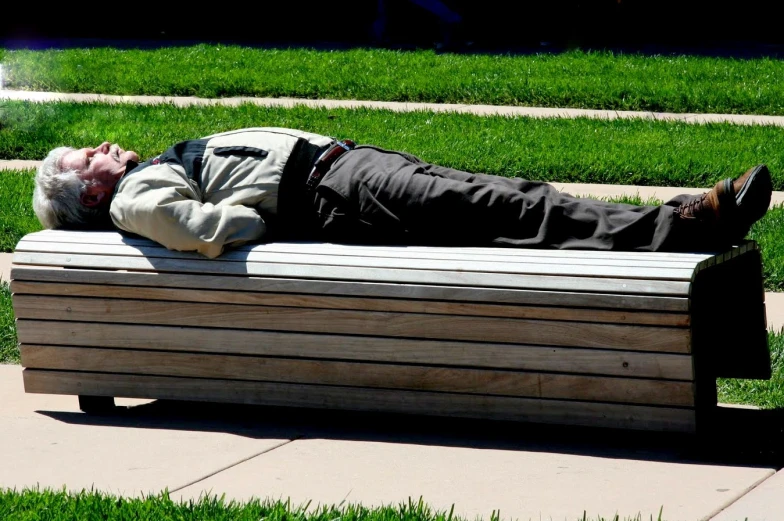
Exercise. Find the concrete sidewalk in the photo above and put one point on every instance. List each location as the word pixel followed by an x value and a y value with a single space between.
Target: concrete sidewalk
pixel 526 472
pixel 480 110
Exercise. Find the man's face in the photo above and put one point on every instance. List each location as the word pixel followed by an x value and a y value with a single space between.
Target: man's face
pixel 100 167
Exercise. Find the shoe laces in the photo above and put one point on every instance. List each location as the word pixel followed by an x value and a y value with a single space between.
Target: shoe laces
pixel 694 208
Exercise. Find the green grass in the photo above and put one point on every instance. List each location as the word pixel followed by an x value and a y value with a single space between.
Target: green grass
pixel 769 234
pixel 580 150
pixel 17 218
pixel 768 394
pixel 9 347
pixel 600 80
pixel 16 210
pixel 49 505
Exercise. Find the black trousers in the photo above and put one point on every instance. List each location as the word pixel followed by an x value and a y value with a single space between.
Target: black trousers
pixel 377 196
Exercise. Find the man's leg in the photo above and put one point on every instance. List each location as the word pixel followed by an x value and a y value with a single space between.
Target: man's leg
pixel 375 195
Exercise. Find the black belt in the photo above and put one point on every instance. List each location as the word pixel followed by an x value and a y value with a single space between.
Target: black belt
pixel 296 217
pixel 325 161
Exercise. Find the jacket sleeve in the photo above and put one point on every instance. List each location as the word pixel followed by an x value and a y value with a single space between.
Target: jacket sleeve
pixel 160 203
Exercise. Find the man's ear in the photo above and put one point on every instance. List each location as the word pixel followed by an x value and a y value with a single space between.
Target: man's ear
pixel 92 196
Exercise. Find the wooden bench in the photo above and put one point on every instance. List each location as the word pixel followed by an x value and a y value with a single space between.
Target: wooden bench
pixel 612 339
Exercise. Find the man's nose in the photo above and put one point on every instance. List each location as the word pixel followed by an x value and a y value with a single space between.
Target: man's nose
pixel 103 148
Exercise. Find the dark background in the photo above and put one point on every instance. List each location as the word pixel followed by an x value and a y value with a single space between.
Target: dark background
pixel 737 28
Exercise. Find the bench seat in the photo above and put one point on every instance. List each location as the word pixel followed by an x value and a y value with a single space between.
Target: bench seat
pixel 610 339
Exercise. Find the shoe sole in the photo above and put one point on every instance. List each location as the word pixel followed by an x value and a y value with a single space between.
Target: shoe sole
pixel 753 198
pixel 752 201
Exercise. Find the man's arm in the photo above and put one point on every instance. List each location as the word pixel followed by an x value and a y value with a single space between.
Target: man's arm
pixel 160 203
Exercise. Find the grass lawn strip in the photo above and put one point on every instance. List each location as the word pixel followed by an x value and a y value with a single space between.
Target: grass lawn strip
pixel 585 150
pixel 578 79
pixel 16 210
pixel 9 348
pixel 768 394
pixel 50 505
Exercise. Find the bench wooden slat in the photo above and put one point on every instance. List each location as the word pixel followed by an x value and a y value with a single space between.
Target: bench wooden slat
pixel 113 238
pixel 410 325
pixel 440 259
pixel 350 303
pixel 398 276
pixel 336 397
pixel 343 347
pixel 631 269
pixel 362 289
pixel 354 374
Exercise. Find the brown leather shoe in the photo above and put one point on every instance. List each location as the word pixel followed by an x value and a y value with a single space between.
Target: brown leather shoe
pixel 711 207
pixel 732 206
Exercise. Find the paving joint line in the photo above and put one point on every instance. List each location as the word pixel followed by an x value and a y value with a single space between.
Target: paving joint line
pixel 731 502
pixel 227 467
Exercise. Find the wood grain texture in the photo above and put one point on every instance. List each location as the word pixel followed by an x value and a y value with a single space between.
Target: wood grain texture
pixel 362 375
pixel 350 347
pixel 576 282
pixel 369 323
pixel 359 289
pixel 435 259
pixel 115 238
pixel 350 303
pixel 378 400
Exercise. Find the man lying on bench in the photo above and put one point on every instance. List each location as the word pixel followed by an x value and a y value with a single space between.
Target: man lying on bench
pixel 264 184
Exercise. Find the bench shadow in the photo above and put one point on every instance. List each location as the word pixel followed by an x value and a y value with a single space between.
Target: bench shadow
pixel 742 437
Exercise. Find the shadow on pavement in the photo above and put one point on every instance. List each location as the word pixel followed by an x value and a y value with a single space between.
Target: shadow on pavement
pixel 742 437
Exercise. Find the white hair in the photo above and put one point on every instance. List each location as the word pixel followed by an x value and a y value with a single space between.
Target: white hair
pixel 57 195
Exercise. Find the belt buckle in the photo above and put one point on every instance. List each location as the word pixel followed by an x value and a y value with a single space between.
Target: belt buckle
pixel 315 173
pixel 313 179
pixel 335 150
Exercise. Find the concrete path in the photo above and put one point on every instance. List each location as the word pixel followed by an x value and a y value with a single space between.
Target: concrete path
pixel 525 472
pixel 17 164
pixel 5 266
pixel 481 110
pixel 774 304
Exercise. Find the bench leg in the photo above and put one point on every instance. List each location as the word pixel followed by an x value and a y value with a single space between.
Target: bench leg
pixel 96 404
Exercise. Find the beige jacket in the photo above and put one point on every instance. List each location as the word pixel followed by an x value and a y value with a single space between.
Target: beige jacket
pixel 203 195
